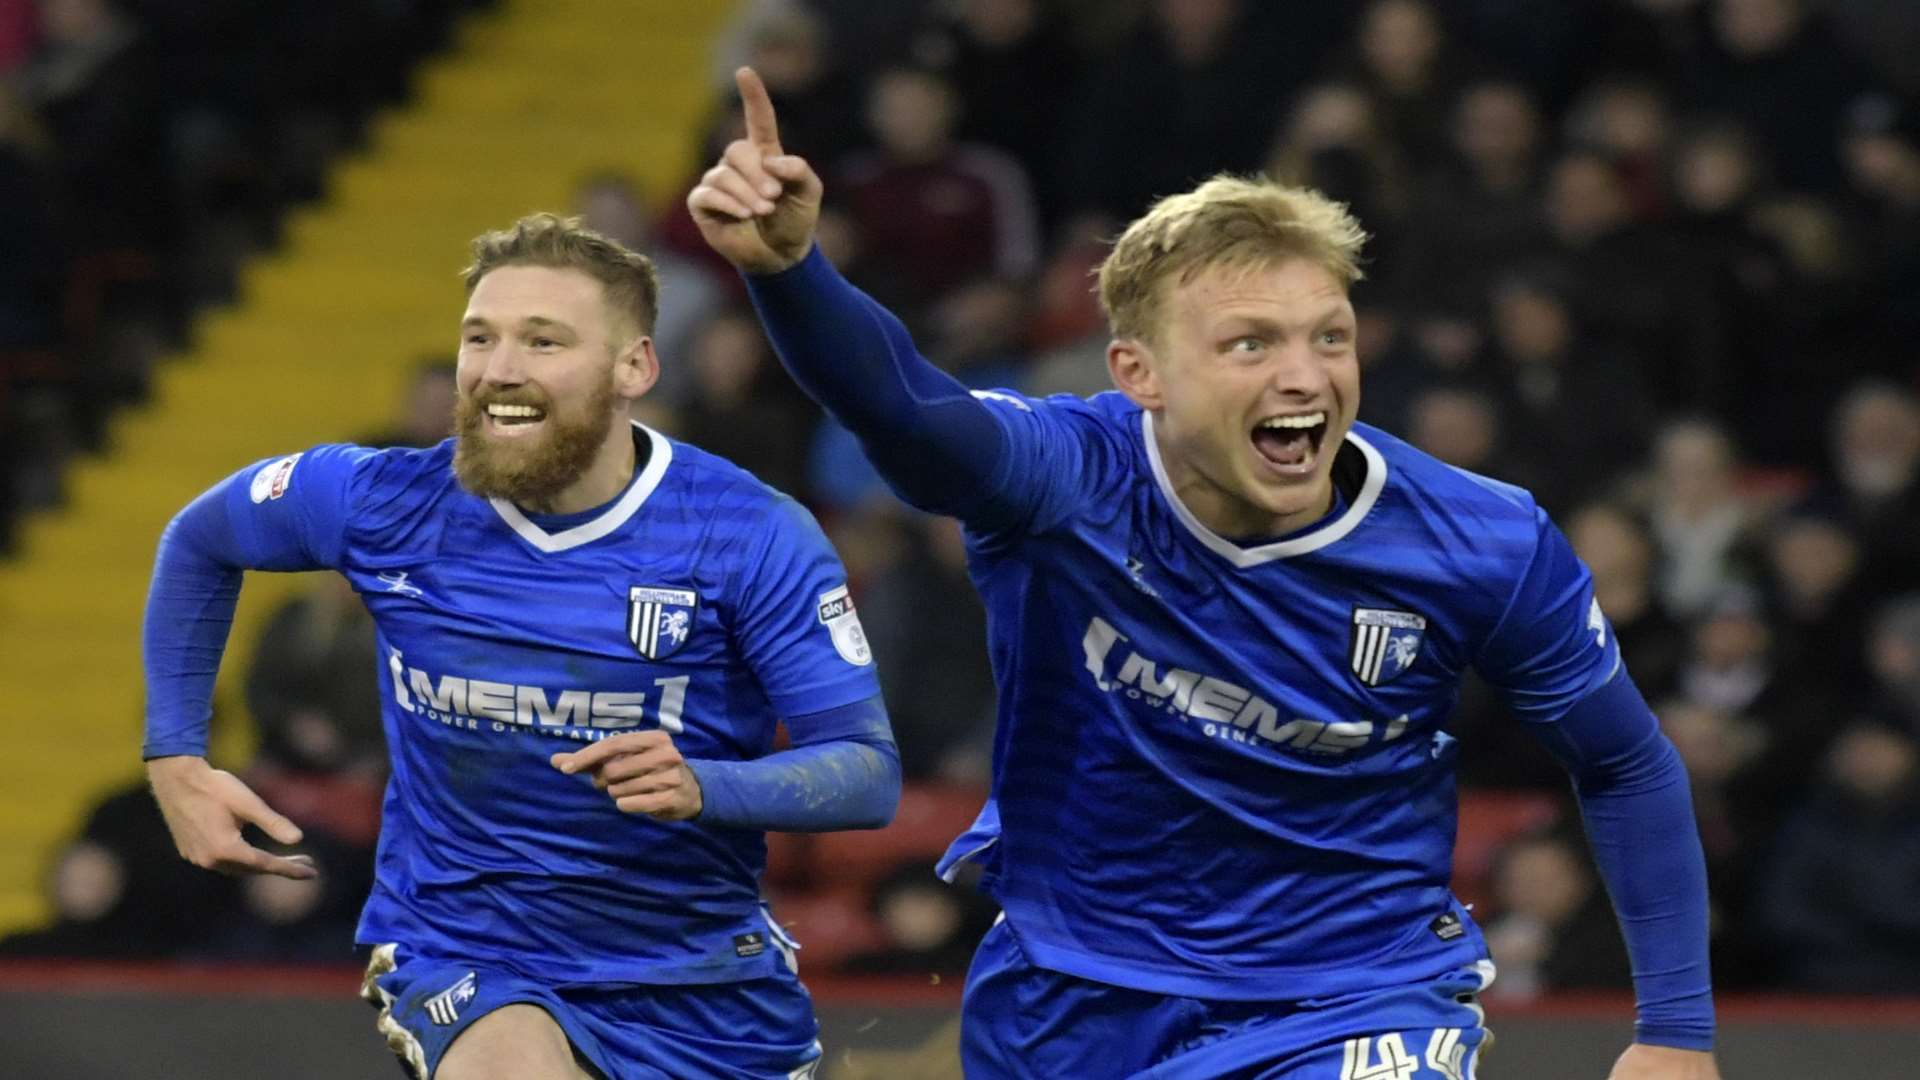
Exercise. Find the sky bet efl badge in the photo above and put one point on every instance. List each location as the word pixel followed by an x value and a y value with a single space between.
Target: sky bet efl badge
pixel 1384 643
pixel 660 620
pixel 837 615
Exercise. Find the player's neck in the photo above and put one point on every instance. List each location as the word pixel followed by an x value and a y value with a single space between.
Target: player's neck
pixel 603 480
pixel 1234 518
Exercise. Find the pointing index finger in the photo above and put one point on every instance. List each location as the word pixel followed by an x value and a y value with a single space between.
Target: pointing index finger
pixel 593 755
pixel 762 129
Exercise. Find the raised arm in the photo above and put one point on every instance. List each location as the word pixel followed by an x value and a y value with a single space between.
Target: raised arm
pixel 938 446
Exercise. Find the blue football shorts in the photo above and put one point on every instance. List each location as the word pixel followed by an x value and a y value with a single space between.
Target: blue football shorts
pixel 1022 1022
pixel 760 1028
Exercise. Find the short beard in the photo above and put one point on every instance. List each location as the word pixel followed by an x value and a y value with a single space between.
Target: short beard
pixel 531 476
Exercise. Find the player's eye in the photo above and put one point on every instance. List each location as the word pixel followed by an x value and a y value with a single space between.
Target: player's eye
pixel 476 339
pixel 544 343
pixel 1247 345
pixel 1338 336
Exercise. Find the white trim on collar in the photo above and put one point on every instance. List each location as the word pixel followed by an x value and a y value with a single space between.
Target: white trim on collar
pixel 1285 549
pixel 616 515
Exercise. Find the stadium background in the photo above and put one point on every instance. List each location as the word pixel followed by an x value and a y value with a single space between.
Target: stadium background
pixel 1658 260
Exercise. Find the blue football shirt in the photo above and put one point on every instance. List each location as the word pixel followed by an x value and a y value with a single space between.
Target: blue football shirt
pixel 700 602
pixel 1222 771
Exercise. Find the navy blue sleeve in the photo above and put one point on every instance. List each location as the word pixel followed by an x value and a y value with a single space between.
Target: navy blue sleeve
pixel 843 772
pixel 1639 818
pixel 285 513
pixel 935 443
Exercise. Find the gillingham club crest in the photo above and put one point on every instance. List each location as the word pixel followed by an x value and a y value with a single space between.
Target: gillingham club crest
pixel 1384 643
pixel 659 620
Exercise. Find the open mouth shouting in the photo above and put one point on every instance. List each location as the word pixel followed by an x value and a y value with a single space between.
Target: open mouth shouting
pixel 1290 444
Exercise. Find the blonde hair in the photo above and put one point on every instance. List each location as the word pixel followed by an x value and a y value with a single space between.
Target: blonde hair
pixel 1230 221
pixel 563 243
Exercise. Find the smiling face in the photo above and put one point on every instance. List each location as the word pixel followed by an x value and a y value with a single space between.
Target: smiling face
pixel 1253 382
pixel 546 367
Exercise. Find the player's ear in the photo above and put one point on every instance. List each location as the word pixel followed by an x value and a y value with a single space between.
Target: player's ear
pixel 636 368
pixel 1130 363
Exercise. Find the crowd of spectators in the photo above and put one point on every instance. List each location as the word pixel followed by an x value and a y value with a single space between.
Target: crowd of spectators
pixel 147 147
pixel 1656 260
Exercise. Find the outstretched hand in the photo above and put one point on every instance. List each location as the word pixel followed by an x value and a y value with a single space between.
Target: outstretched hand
pixel 205 808
pixel 758 205
pixel 643 772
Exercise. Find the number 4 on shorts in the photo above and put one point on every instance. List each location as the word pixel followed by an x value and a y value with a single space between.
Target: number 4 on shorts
pixel 1445 1056
pixel 1357 1063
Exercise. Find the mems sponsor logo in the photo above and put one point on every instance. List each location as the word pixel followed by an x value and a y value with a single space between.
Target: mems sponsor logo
pixel 1224 710
pixel 484 704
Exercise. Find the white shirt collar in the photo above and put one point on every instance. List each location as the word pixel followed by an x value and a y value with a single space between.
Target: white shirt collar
pixel 1314 540
pixel 612 518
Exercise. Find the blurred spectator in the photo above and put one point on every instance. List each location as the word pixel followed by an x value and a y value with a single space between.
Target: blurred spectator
pixel 1631 120
pixel 1732 667
pixel 1719 182
pixel 922 614
pixel 1464 428
pixel 1699 521
pixel 976 333
pixel 426 416
pixel 1405 63
pixel 1577 408
pixel 1775 66
pixel 1006 59
pixel 1558 49
pixel 309 689
pixel 1893 656
pixel 119 891
pixel 1195 89
pixel 1333 142
pixel 1068 330
pixel 1479 210
pixel 1554 930
pixel 1730 663
pixel 1881 148
pixel 933 213
pixel 286 921
pixel 1816 599
pixel 1618 548
pixel 1876 481
pixel 690 290
pixel 91 81
pixel 787 43
pixel 742 406
pixel 314 694
pixel 931 927
pixel 1639 290
pixel 1837 897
